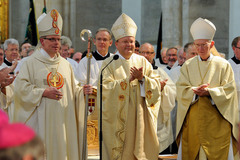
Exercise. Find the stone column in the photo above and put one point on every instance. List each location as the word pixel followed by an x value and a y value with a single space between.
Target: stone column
pixel 172 22
pixel 151 12
pixel 18 19
pixel 94 14
pixel 186 36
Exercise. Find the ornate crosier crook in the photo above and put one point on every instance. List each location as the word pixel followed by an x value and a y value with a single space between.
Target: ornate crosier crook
pixel 89 56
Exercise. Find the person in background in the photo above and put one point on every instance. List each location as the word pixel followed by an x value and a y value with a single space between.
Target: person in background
pixel 11 50
pixel 168 89
pixel 77 56
pixel 190 51
pixel 24 48
pixel 18 141
pixel 102 40
pixel 171 57
pixel 71 52
pixel 29 53
pixel 66 43
pixel 162 61
pixel 207 113
pixel 137 45
pixel 235 63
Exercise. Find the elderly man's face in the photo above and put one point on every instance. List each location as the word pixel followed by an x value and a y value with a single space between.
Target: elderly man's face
pixel 64 51
pixel 12 52
pixel 147 51
pixel 171 57
pixel 203 47
pixel 24 49
pixel 181 56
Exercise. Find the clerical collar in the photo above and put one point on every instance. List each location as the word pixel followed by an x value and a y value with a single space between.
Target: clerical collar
pixel 99 57
pixel 209 58
pixel 44 53
pixel 235 60
pixel 7 62
pixel 153 65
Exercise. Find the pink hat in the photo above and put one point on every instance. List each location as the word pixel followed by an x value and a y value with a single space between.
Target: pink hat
pixel 15 134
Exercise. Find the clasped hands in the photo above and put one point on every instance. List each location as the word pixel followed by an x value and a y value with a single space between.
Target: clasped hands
pixel 202 90
pixel 136 73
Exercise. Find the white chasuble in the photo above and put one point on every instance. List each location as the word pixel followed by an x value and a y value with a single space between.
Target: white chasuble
pixel 210 117
pixel 55 121
pixel 129 120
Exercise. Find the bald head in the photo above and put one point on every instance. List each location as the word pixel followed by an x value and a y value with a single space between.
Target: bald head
pixel 147 50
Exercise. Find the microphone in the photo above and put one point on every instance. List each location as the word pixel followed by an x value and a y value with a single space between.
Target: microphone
pixel 115 57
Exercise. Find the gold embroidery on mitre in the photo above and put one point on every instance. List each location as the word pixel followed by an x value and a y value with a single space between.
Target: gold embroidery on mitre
pixel 121 97
pixel 55 80
pixel 149 94
pixel 54 15
pixel 123 85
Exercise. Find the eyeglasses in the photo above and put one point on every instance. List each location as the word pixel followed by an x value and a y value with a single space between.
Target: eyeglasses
pixel 146 52
pixel 237 47
pixel 201 45
pixel 53 39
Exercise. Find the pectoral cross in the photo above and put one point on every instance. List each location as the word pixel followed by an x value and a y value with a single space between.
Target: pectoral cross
pixel 54 80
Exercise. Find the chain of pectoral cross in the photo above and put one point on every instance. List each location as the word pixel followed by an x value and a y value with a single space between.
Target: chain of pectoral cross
pixel 54 80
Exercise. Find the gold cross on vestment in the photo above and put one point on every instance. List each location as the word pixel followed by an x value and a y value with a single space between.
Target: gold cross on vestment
pixel 54 80
pixel 91 102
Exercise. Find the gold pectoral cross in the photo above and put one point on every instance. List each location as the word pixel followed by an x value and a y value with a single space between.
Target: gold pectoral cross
pixel 54 80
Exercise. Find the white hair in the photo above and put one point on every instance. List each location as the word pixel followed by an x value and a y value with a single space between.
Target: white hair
pixel 10 41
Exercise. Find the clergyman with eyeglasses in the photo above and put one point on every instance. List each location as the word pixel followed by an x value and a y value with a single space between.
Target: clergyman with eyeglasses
pixel 46 97
pixel 168 88
pixel 207 114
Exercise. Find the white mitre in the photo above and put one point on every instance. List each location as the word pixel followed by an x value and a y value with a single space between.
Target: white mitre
pixel 124 26
pixel 50 24
pixel 202 29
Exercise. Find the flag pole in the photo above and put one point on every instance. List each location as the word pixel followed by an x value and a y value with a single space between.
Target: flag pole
pixel 44 7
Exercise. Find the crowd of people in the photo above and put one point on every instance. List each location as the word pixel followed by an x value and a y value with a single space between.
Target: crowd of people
pixel 184 103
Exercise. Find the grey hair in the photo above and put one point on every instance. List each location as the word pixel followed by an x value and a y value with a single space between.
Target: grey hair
pixel 10 41
pixel 179 50
pixel 66 41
